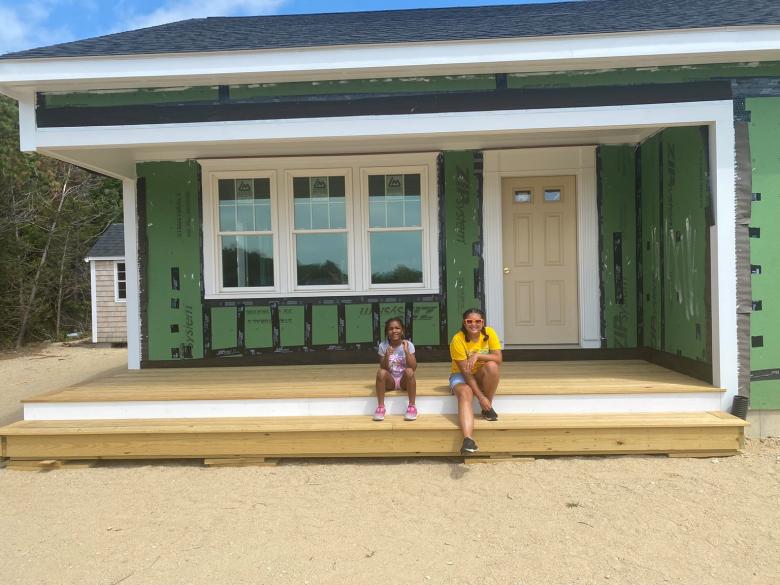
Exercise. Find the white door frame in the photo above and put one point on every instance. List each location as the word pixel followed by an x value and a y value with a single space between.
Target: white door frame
pixel 579 161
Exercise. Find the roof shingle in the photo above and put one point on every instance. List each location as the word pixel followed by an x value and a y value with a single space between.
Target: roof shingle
pixel 419 25
pixel 111 244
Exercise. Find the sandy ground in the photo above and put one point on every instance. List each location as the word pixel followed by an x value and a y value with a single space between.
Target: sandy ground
pixel 559 521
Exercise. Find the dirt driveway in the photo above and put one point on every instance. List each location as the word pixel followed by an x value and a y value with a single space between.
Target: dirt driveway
pixel 558 521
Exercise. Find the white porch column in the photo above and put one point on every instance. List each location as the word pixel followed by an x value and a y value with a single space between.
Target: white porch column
pixel 131 267
pixel 724 254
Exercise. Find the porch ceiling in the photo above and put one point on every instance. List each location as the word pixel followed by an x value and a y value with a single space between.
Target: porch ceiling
pixel 120 161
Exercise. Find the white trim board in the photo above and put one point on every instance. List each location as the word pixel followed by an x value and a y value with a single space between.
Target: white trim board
pixel 93 298
pixel 577 161
pixel 396 405
pixel 456 124
pixel 529 54
pixel 133 300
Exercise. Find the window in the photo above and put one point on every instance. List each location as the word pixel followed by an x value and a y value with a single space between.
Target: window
pixel 320 231
pixel 245 232
pixel 320 226
pixel 395 228
pixel 120 282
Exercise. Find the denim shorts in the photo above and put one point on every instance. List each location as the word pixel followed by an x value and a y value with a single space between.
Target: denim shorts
pixel 456 379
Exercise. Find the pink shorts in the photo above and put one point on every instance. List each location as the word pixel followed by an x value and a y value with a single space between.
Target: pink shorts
pixel 397 381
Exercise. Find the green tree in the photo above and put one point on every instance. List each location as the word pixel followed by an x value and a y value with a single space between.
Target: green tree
pixel 51 213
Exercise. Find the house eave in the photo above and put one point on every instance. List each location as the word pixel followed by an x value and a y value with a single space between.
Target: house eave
pixel 531 54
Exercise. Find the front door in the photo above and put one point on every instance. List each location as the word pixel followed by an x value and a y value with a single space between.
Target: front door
pixel 539 227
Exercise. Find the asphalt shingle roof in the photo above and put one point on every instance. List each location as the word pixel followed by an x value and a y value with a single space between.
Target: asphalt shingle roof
pixel 418 25
pixel 111 244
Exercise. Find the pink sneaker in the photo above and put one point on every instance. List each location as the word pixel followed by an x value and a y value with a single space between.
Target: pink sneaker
pixel 379 413
pixel 411 412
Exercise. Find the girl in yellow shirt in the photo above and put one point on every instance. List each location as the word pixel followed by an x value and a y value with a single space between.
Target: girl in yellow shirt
pixel 476 356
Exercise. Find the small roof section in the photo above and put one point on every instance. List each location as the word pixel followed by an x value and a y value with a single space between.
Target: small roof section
pixel 419 25
pixel 111 244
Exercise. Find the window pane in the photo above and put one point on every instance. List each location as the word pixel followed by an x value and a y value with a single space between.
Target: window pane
pixel 247 261
pixel 301 187
pixel 227 216
pixel 322 259
pixel 263 216
pixel 120 270
pixel 303 214
pixel 245 189
pixel 262 188
pixel 552 194
pixel 121 292
pixel 227 190
pixel 377 212
pixel 245 217
pixel 320 215
pixel 394 201
pixel 396 257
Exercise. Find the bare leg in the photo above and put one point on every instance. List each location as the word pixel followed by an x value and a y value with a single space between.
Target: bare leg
pixel 384 382
pixel 465 409
pixel 487 378
pixel 409 383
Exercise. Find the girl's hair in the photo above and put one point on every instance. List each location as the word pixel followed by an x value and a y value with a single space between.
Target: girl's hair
pixel 400 322
pixel 479 312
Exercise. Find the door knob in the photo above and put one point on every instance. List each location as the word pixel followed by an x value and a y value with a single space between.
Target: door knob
pixel 506 270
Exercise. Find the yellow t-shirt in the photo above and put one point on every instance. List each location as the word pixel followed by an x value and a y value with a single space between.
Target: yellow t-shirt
pixel 461 348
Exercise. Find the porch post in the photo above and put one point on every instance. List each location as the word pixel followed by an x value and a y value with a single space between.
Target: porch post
pixel 724 254
pixel 131 267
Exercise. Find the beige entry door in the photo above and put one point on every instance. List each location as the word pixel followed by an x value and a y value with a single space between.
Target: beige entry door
pixel 539 230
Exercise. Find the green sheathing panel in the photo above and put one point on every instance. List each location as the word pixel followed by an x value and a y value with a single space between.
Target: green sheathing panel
pixel 765 156
pixel 642 75
pixel 132 97
pixel 292 326
pixel 359 323
pixel 650 188
pixel 258 329
pixel 462 219
pixel 686 199
pixel 172 271
pixel 765 395
pixel 617 214
pixel 425 320
pixel 224 328
pixel 324 325
pixel 387 311
pixel 364 86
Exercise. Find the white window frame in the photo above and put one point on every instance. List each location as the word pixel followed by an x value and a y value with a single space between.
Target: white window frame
pixel 356 170
pixel 116 281
pixel 292 273
pixel 428 263
pixel 216 250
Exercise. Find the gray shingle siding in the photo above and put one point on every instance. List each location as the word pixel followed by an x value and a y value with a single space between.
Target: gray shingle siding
pixel 419 25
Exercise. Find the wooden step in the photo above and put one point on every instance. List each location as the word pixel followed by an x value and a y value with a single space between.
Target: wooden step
pixel 359 436
pixel 630 377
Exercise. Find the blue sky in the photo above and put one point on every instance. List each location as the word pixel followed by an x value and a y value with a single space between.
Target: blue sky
pixel 35 23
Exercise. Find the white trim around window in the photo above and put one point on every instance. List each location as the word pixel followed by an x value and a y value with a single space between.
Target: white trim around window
pixel 356 170
pixel 117 281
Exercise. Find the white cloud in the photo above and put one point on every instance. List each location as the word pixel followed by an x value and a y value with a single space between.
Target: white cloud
pixel 27 26
pixel 174 10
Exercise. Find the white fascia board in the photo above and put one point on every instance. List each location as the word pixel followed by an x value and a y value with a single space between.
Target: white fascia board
pixel 727 44
pixel 100 258
pixel 457 123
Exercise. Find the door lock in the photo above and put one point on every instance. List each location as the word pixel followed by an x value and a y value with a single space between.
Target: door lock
pixel 506 270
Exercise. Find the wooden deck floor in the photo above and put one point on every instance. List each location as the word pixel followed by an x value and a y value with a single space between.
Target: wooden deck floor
pixel 330 381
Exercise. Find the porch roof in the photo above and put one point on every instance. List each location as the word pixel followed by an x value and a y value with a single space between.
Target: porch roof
pixel 420 25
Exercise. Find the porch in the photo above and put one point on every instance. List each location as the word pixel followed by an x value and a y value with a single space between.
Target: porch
pixel 545 408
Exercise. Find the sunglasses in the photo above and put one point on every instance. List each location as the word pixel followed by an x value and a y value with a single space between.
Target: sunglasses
pixel 473 321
